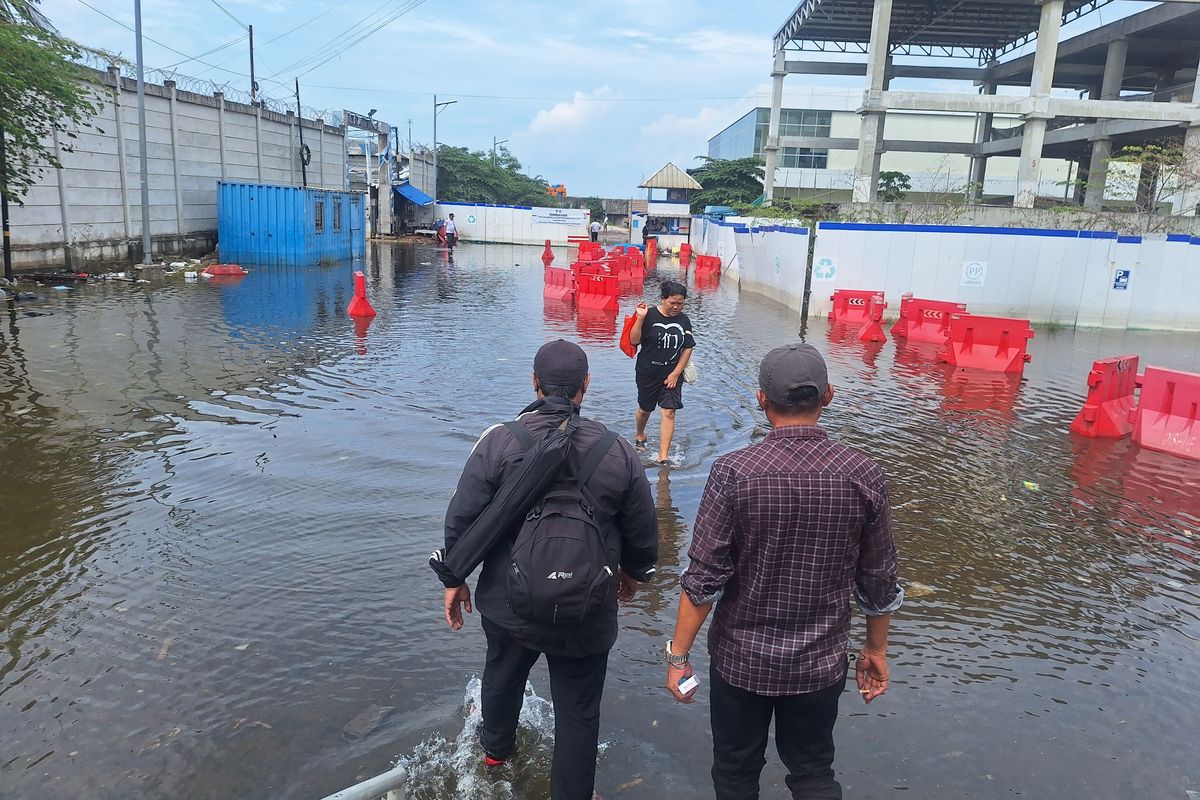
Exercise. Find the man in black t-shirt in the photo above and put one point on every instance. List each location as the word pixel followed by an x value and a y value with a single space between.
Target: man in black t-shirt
pixel 664 334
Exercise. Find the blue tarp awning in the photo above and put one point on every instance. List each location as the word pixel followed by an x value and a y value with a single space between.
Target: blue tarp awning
pixel 413 194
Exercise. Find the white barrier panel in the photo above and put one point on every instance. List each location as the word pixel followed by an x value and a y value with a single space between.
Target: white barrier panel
pixel 1084 278
pixel 515 224
pixel 767 259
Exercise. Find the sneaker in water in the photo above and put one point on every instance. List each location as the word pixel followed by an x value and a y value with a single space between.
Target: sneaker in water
pixel 491 762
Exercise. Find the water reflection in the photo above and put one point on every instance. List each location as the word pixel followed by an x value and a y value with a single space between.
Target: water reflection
pixel 218 500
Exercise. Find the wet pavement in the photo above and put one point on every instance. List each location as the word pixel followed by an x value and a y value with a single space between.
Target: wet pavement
pixel 217 501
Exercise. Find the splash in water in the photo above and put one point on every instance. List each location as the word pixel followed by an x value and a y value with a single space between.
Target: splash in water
pixel 439 768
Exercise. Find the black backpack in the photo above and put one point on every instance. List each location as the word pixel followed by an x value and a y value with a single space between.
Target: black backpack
pixel 560 571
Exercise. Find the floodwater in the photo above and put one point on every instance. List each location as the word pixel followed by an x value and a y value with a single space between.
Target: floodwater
pixel 217 501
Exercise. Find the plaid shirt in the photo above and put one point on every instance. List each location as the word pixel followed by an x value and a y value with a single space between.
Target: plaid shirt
pixel 785 528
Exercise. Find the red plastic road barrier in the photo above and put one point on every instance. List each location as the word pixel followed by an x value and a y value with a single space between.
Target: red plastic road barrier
pixel 872 329
pixel 1107 413
pixel 560 283
pixel 596 288
pixel 1167 417
pixel 590 251
pixel 360 306
pixel 547 255
pixel 685 254
pixel 223 269
pixel 996 344
pixel 651 253
pixel 708 264
pixel 925 320
pixel 849 305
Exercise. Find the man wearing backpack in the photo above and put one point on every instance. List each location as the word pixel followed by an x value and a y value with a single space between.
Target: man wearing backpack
pixel 547 588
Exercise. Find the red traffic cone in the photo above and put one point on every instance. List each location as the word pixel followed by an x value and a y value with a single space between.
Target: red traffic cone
pixel 359 306
pixel 547 255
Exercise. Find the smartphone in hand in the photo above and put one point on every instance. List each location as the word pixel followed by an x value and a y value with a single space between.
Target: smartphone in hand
pixel 688 684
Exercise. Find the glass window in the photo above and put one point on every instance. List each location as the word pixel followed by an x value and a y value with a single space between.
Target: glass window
pixel 804 158
pixel 319 216
pixel 337 214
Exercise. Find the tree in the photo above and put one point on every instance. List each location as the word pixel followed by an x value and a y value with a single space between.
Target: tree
pixel 727 182
pixel 893 187
pixel 43 89
pixel 1152 176
pixel 469 176
pixel 597 208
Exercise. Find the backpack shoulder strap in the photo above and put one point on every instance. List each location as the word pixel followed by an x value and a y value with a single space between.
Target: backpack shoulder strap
pixel 595 457
pixel 520 432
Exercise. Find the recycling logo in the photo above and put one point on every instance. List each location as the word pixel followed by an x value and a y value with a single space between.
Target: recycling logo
pixel 778 266
pixel 471 219
pixel 824 269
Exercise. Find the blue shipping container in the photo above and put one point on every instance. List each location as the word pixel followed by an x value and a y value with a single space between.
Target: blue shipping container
pixel 288 225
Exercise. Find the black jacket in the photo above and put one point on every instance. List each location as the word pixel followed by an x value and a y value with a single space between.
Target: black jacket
pixel 624 509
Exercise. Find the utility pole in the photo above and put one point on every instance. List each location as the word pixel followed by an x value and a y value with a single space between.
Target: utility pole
pixel 300 122
pixel 495 144
pixel 8 271
pixel 437 109
pixel 253 83
pixel 141 95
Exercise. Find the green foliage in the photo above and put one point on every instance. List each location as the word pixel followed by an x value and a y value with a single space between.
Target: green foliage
pixel 42 89
pixel 727 182
pixel 597 208
pixel 468 176
pixel 792 208
pixel 893 186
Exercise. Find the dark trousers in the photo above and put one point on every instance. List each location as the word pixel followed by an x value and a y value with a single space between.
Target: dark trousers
pixel 804 723
pixel 576 685
pixel 595 236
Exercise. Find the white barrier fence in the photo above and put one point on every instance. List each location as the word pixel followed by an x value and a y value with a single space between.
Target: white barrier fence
pixel 768 259
pixel 1080 278
pixel 515 224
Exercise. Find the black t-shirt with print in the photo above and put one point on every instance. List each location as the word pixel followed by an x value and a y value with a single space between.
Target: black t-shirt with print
pixel 663 340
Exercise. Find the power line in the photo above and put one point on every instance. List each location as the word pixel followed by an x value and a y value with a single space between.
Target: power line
pixel 289 31
pixel 351 37
pixel 231 16
pixel 238 40
pixel 675 98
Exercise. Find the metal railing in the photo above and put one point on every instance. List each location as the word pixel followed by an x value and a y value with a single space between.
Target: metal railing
pixel 388 786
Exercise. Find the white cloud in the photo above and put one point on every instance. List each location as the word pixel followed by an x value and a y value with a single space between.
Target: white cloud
pixel 571 116
pixel 699 127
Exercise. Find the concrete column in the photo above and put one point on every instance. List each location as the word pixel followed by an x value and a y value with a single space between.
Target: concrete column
pixel 1187 202
pixel 983 128
pixel 221 132
pixel 1114 69
pixel 771 148
pixel 64 207
pixel 1097 174
pixel 175 158
pixel 258 140
pixel 320 153
pixel 866 171
pixel 115 74
pixel 293 152
pixel 1029 171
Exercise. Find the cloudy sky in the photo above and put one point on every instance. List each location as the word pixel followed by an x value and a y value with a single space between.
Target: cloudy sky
pixel 595 95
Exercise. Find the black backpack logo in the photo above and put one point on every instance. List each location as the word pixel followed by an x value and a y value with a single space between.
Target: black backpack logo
pixel 560 571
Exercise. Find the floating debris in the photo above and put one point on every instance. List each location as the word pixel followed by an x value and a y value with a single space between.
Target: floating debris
pixel 913 589
pixel 241 647
pixel 1031 486
pixel 368 720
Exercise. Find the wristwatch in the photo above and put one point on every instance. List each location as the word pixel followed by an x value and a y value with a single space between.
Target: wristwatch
pixel 672 659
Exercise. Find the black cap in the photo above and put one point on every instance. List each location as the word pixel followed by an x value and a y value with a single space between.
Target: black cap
pixel 791 367
pixel 560 363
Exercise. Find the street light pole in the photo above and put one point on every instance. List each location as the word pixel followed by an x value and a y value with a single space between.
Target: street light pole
pixel 141 95
pixel 496 144
pixel 437 109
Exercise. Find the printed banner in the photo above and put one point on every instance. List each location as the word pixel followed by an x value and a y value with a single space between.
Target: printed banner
pixel 560 216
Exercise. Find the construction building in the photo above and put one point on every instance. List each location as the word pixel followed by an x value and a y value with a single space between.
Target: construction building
pixel 1130 82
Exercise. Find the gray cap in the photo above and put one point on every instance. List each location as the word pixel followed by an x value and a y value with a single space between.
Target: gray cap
pixel 560 363
pixel 791 367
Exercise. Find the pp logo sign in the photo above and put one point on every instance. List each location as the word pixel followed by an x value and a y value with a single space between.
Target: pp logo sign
pixel 974 273
pixel 825 269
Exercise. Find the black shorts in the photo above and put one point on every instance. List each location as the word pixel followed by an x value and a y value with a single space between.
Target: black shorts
pixel 652 392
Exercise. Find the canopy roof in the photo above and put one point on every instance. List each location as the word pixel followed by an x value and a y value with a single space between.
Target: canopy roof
pixel 671 177
pixel 984 29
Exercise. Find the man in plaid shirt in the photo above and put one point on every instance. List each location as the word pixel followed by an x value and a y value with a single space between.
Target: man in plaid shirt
pixel 787 529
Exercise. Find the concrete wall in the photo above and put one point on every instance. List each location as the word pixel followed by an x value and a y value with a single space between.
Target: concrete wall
pixel 89 212
pixel 515 224
pixel 1068 277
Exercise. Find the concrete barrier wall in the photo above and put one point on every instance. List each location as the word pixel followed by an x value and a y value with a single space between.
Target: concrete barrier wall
pixel 765 258
pixel 90 210
pixel 1083 278
pixel 479 222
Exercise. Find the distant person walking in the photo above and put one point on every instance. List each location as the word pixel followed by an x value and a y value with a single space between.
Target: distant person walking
pixel 594 229
pixel 785 528
pixel 663 335
pixel 451 232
